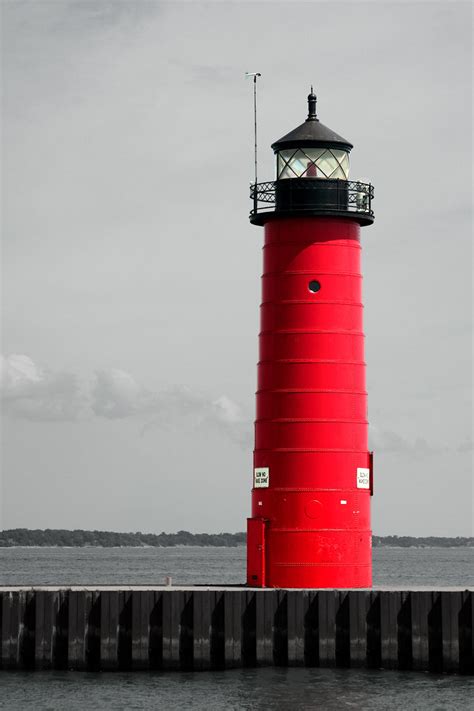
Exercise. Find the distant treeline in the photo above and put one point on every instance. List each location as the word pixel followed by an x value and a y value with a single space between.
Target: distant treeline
pixel 109 539
pixel 421 542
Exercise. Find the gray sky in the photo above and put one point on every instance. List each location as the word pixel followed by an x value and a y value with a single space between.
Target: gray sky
pixel 131 272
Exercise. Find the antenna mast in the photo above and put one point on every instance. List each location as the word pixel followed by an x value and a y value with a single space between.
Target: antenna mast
pixel 254 75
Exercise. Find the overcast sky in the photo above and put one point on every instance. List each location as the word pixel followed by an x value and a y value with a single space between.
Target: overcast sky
pixel 131 273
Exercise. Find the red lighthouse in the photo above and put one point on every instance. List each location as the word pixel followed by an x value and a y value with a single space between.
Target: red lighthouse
pixel 312 482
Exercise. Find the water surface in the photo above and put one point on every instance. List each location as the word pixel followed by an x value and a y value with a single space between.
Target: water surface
pixel 239 690
pixel 195 565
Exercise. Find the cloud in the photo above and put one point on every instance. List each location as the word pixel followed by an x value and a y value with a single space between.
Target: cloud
pixel 387 440
pixel 33 393
pixel 229 417
pixel 227 410
pixel 390 441
pixel 16 370
pixel 185 407
pixel 115 394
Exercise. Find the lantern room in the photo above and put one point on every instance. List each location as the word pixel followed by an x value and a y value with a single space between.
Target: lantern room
pixel 312 150
pixel 312 176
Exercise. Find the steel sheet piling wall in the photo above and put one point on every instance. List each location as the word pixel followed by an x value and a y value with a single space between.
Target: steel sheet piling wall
pixel 223 628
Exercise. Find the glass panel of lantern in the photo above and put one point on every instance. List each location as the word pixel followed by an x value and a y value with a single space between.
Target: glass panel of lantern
pixel 330 166
pixel 313 163
pixel 343 160
pixel 283 170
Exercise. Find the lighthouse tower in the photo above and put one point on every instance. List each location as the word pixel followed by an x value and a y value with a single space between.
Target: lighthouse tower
pixel 312 479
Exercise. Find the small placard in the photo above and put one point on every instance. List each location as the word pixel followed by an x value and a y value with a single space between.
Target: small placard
pixel 261 478
pixel 363 478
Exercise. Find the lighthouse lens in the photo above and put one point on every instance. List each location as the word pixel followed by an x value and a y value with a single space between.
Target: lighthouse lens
pixel 314 286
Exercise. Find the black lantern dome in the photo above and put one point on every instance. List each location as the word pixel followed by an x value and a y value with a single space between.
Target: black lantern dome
pixel 312 133
pixel 312 176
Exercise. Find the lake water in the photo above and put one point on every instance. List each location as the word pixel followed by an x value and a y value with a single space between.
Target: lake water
pixel 194 565
pixel 244 689
pixel 271 689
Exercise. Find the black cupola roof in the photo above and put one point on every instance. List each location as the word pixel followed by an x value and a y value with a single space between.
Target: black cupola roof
pixel 312 133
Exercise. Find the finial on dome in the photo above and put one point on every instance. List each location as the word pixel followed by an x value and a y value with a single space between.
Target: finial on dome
pixel 312 106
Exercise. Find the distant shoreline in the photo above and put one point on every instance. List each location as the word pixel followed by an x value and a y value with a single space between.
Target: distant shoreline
pixel 62 538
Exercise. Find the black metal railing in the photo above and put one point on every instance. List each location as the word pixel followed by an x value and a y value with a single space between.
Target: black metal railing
pixel 325 196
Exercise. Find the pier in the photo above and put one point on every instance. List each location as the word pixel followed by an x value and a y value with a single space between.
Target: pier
pixel 103 628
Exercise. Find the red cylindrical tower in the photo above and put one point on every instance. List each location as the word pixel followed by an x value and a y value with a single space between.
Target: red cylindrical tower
pixel 310 524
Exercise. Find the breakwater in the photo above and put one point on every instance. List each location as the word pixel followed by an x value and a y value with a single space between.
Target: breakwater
pixel 198 628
